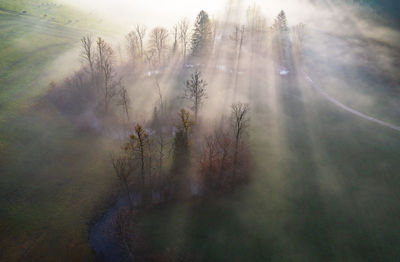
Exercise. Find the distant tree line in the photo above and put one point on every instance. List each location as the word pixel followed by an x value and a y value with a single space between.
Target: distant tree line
pixel 99 85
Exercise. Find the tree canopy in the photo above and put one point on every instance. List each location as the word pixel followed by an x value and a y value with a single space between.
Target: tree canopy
pixel 201 38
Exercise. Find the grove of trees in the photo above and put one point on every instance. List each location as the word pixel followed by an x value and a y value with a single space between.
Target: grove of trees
pixel 174 154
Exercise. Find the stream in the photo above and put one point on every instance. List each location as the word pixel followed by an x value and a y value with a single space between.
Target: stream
pixel 101 236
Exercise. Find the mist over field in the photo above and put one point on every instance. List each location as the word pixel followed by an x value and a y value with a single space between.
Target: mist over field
pixel 228 130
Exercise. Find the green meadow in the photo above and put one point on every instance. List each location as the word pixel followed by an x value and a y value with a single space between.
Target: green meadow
pixel 325 188
pixel 325 183
pixel 44 209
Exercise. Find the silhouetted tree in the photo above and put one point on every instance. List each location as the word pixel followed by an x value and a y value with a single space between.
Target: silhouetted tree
pixel 141 33
pixel 281 23
pixel 209 161
pixel 138 149
pixel 196 92
pixel 224 143
pixel 181 150
pixel 122 169
pixel 125 101
pixel 160 98
pixel 158 41
pixel 175 35
pixel 133 45
pixel 202 35
pixel 184 35
pixel 240 122
pixel 105 67
pixel 216 164
pixel 88 53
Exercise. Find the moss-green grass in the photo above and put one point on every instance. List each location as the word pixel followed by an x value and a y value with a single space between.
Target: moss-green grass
pixel 50 11
pixel 27 47
pixel 53 177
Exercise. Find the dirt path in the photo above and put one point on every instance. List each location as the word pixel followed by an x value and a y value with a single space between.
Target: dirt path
pixel 349 109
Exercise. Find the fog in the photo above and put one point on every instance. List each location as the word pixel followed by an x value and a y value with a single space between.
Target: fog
pixel 159 12
pixel 151 13
pixel 323 133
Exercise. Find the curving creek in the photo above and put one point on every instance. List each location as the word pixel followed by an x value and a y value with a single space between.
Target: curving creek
pixel 101 236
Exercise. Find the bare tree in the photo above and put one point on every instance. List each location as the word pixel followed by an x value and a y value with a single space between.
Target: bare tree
pixel 123 171
pixel 141 33
pixel 158 41
pixel 158 119
pixel 105 66
pixel 138 149
pixel 142 137
pixel 224 143
pixel 149 56
pixel 196 92
pixel 162 144
pixel 133 45
pixel 216 161
pixel 160 97
pixel 209 161
pixel 88 53
pixel 125 101
pixel 184 36
pixel 181 151
pixel 240 122
pixel 174 32
pixel 185 121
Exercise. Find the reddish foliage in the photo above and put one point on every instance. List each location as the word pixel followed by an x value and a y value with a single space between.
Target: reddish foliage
pixel 216 164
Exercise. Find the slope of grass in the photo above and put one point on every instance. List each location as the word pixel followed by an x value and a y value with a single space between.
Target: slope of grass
pixel 27 46
pixel 52 176
pixel 50 11
pixel 52 179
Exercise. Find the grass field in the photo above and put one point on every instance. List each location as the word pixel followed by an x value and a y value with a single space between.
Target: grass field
pixel 326 184
pixel 28 46
pixel 326 188
pixel 53 177
pixel 50 11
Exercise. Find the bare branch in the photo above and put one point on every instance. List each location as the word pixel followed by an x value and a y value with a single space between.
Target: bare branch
pixel 195 91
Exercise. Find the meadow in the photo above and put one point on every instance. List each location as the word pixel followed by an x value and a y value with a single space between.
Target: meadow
pixel 325 188
pixel 325 185
pixel 44 209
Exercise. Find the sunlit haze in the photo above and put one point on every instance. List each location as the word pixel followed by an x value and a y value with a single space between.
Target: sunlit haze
pixel 199 130
pixel 155 12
